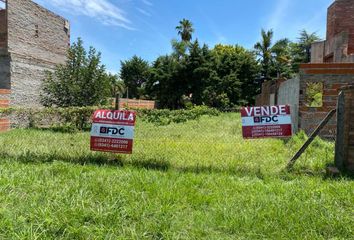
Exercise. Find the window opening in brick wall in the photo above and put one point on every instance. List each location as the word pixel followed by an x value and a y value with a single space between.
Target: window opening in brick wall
pixel 36 31
pixel 314 94
pixel 66 26
pixel 2 5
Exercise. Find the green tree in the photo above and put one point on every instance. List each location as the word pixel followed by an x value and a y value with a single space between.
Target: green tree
pixel 81 81
pixel 185 30
pixel 179 48
pixel 282 58
pixel 264 51
pixel 236 70
pixel 134 73
pixel 166 82
pixel 306 40
pixel 117 85
pixel 300 51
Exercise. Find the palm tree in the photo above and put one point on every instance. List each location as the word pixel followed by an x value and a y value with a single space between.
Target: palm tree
pixel 305 42
pixel 118 86
pixel 281 56
pixel 185 30
pixel 264 50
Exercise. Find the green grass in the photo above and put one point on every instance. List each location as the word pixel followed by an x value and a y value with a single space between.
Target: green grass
pixel 197 180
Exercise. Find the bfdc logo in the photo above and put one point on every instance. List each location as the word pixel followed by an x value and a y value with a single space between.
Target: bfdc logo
pixel 273 119
pixel 112 131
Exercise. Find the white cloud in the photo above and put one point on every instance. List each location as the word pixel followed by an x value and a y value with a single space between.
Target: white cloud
pixel 144 12
pixel 147 2
pixel 102 10
pixel 279 14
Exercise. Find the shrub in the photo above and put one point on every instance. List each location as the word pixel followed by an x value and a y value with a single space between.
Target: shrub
pixel 165 117
pixel 82 81
pixel 79 118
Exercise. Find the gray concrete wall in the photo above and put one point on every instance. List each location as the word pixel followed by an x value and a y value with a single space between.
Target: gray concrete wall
pixel 317 52
pixel 288 94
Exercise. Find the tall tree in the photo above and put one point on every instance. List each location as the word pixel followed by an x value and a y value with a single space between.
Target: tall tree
pixel 306 40
pixel 185 30
pixel 282 58
pixel 134 72
pixel 165 83
pixel 264 50
pixel 117 85
pixel 237 70
pixel 81 81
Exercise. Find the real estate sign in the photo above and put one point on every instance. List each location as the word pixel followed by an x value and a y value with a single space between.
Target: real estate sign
pixel 266 121
pixel 113 131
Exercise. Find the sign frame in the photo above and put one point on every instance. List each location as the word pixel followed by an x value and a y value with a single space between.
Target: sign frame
pixel 113 131
pixel 266 122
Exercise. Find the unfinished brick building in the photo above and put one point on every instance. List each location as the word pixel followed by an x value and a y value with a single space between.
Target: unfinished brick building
pixel 32 40
pixel 332 66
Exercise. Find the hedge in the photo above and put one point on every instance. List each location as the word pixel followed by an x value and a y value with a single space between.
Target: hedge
pixel 79 118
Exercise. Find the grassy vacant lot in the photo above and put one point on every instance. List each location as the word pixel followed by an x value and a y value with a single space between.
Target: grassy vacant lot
pixel 197 180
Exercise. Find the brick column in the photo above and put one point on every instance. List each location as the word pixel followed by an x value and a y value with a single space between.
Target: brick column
pixel 4 103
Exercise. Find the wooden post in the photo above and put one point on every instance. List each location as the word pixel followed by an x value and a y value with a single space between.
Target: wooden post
pixel 311 138
pixel 339 149
pixel 117 102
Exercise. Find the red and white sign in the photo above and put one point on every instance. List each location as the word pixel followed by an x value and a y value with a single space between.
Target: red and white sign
pixel 113 131
pixel 266 121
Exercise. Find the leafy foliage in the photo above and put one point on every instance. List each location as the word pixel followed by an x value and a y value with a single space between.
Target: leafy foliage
pixel 79 118
pixel 301 50
pixel 314 94
pixel 166 117
pixel 134 72
pixel 82 81
pixel 264 51
pixel 222 77
pixel 185 30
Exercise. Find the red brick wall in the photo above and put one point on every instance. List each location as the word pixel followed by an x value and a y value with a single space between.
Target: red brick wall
pixel 333 76
pixel 340 18
pixel 4 103
pixel 125 103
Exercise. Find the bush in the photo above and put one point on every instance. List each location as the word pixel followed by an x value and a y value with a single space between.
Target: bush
pixel 165 116
pixel 79 118
pixel 81 81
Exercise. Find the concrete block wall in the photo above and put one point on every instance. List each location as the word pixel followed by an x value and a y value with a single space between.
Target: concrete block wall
pixel 333 76
pixel 317 52
pixel 288 94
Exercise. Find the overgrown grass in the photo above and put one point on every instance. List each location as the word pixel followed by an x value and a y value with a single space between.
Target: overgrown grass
pixel 194 180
